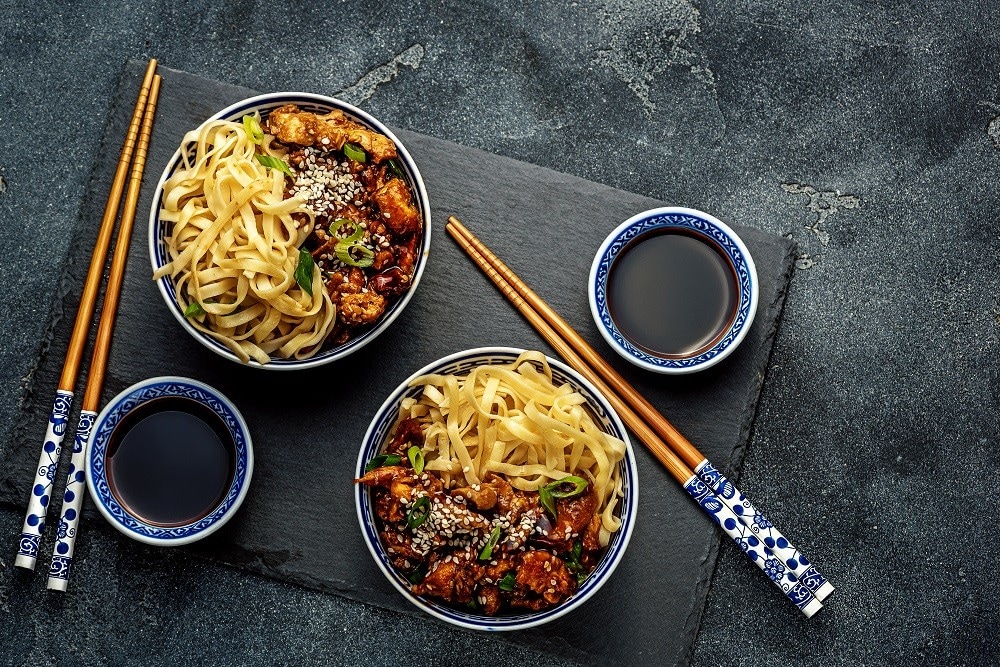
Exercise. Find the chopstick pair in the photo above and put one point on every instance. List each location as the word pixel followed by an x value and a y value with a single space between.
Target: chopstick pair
pixel 725 504
pixel 42 487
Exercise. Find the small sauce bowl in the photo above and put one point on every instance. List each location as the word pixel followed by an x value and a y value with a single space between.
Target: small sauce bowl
pixel 673 290
pixel 169 461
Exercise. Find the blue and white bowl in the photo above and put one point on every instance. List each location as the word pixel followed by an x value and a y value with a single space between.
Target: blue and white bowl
pixel 319 104
pixel 379 433
pixel 692 222
pixel 96 459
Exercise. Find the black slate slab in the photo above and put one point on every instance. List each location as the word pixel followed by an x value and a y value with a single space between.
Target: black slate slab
pixel 298 523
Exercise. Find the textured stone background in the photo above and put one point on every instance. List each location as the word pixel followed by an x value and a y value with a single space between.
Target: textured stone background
pixel 868 132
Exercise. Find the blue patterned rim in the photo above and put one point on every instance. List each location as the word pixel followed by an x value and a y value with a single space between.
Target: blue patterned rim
pixel 692 221
pixel 139 394
pixel 379 431
pixel 317 104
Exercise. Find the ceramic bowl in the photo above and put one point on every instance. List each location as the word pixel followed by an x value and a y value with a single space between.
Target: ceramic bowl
pixel 115 511
pixel 704 227
pixel 319 104
pixel 379 433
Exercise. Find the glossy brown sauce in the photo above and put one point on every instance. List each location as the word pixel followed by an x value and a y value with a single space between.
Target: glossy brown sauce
pixel 170 461
pixel 672 293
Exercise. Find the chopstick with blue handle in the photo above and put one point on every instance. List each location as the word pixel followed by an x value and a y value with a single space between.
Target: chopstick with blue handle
pixel 713 492
pixel 62 553
pixel 48 461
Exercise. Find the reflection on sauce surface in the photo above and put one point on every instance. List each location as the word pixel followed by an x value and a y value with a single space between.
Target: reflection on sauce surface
pixel 170 461
pixel 672 293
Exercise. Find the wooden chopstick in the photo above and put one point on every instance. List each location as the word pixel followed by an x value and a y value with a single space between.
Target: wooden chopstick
pixel 791 572
pixel 62 554
pixel 48 461
pixel 649 414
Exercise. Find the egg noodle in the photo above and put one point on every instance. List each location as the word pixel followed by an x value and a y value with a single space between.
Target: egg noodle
pixel 515 421
pixel 234 247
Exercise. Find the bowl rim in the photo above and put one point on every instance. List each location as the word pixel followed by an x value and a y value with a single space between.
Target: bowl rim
pixel 629 503
pixel 420 192
pixel 746 307
pixel 133 526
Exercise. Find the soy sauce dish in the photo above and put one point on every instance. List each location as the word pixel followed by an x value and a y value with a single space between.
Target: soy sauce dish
pixel 169 461
pixel 673 290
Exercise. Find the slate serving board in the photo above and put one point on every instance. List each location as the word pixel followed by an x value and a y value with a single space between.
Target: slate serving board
pixel 298 522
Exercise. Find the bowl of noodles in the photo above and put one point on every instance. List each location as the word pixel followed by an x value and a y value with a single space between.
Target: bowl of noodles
pixel 288 230
pixel 496 489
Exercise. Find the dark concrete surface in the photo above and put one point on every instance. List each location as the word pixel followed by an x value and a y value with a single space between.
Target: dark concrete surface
pixel 868 132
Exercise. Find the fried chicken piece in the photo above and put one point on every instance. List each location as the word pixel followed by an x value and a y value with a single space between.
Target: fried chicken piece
pixel 396 205
pixel 572 516
pixel 452 578
pixel 546 575
pixel 361 308
pixel 408 433
pixel 488 598
pixel 291 125
pixel 592 536
pixel 484 499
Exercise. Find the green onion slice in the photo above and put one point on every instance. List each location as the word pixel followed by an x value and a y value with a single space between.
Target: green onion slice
pixel 507 583
pixel 395 169
pixel 487 551
pixel 548 502
pixel 194 309
pixel 356 234
pixel 419 511
pixel 354 254
pixel 382 460
pixel 558 488
pixel 416 459
pixel 254 130
pixel 304 271
pixel 274 163
pixel 355 152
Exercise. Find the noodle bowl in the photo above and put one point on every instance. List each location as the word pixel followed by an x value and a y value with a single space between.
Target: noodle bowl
pixel 407 399
pixel 226 235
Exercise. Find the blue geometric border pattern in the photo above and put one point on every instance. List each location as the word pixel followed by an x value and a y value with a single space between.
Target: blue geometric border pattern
pixel 102 437
pixel 309 104
pixel 699 226
pixel 380 435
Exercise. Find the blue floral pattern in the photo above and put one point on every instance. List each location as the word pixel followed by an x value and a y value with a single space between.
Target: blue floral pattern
pixel 756 550
pixel 125 403
pixel 788 556
pixel 41 488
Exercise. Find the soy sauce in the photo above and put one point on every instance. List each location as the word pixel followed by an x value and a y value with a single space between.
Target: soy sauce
pixel 672 293
pixel 170 461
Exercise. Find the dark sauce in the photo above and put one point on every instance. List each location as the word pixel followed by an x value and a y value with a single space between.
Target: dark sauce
pixel 170 461
pixel 672 293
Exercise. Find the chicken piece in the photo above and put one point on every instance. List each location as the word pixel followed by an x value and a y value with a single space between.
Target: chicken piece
pixel 572 517
pixel 408 433
pixel 325 243
pixel 388 508
pixel 396 205
pixel 399 545
pixel 484 499
pixel 383 258
pixel 452 579
pixel 361 308
pixel 291 125
pixel 592 535
pixel 511 503
pixel 488 598
pixel 546 575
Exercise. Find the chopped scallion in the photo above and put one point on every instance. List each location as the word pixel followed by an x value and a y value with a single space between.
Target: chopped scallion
pixel 419 511
pixel 194 309
pixel 508 582
pixel 274 163
pixel 558 490
pixel 382 460
pixel 416 459
pixel 354 254
pixel 254 130
pixel 395 169
pixel 487 551
pixel 355 152
pixel 304 271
